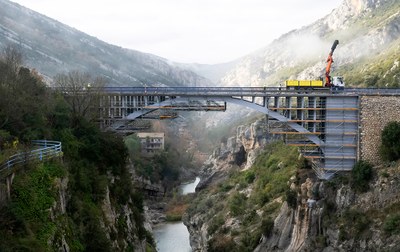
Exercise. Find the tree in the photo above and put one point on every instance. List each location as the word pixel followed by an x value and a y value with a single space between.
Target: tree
pixel 12 57
pixel 10 62
pixel 390 147
pixel 24 100
pixel 361 175
pixel 82 92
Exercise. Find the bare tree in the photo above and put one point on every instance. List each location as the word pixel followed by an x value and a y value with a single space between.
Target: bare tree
pixel 10 63
pixel 82 92
pixel 12 57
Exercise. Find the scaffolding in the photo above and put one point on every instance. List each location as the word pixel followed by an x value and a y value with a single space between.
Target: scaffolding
pixel 332 120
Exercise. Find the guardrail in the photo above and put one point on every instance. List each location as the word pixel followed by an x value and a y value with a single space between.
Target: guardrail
pixel 250 91
pixel 233 91
pixel 44 149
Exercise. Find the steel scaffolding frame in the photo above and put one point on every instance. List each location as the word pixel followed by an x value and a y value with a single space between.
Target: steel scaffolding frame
pixel 334 120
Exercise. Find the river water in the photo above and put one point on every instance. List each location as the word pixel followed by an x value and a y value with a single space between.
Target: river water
pixel 174 236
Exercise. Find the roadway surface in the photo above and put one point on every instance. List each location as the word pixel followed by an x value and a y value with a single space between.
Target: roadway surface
pixel 248 91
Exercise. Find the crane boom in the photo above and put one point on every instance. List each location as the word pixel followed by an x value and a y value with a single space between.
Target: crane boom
pixel 328 81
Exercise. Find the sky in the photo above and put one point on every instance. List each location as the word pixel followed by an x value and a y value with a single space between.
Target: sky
pixel 186 31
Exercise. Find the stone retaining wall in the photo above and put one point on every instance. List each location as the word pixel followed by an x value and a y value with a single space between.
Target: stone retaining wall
pixel 375 113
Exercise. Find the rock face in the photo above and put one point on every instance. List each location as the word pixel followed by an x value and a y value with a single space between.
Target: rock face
pixel 319 221
pixel 239 151
pixel 113 215
pixel 113 218
pixel 325 215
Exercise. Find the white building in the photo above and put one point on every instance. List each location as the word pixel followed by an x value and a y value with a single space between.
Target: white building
pixel 151 142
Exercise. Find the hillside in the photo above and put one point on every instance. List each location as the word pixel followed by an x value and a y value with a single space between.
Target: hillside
pixel 52 48
pixel 82 199
pixel 368 31
pixel 260 195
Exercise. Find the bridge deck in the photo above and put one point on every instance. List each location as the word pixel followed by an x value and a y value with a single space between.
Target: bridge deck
pixel 247 91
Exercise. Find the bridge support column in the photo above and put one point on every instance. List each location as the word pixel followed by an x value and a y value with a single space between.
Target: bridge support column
pixel 312 115
pixel 300 111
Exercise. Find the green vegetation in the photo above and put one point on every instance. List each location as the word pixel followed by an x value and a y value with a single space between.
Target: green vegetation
pixel 255 209
pixel 361 175
pixel 390 147
pixel 267 226
pixel 392 224
pixel 94 161
pixel 177 206
pixel 162 167
pixel 34 193
pixel 378 70
pixel 291 198
pixel 353 224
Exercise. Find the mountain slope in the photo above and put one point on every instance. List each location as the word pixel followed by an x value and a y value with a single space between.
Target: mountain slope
pixel 52 47
pixel 364 28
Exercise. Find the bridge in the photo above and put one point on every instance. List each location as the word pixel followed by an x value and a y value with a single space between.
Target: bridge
pixel 323 123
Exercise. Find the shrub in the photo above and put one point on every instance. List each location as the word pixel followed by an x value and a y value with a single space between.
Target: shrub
pixel 355 223
pixel 361 175
pixel 216 223
pixel 392 224
pixel 390 147
pixel 267 226
pixel 291 198
pixel 237 204
pixel 221 243
pixel 249 176
pixel 249 241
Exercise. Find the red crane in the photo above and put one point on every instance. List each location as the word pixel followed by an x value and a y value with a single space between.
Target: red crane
pixel 328 80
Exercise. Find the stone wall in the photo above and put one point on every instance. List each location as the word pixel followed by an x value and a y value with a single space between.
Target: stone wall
pixel 375 113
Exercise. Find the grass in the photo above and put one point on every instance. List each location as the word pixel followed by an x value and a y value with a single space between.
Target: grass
pixel 252 197
pixel 175 212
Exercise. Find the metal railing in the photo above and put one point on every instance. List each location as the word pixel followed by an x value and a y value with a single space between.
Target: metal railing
pixel 44 149
pixel 244 91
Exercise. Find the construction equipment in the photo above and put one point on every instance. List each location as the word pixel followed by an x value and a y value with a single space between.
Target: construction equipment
pixel 337 81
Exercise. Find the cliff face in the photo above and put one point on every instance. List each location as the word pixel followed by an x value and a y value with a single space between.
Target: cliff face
pixel 331 216
pixel 241 208
pixel 50 224
pixel 238 152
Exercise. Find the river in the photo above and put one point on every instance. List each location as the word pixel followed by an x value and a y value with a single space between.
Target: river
pixel 174 236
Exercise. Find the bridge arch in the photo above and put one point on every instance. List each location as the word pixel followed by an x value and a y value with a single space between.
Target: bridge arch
pixel 237 101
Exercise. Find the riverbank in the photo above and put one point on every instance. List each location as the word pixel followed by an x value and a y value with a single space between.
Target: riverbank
pixel 168 229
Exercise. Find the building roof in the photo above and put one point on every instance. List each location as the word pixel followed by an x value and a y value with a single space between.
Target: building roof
pixel 150 134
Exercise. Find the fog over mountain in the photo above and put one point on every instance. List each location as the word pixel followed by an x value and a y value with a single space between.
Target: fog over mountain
pixel 52 47
pixel 368 31
pixel 365 28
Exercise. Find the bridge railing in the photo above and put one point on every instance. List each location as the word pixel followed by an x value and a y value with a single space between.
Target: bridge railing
pixel 232 91
pixel 242 90
pixel 44 149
